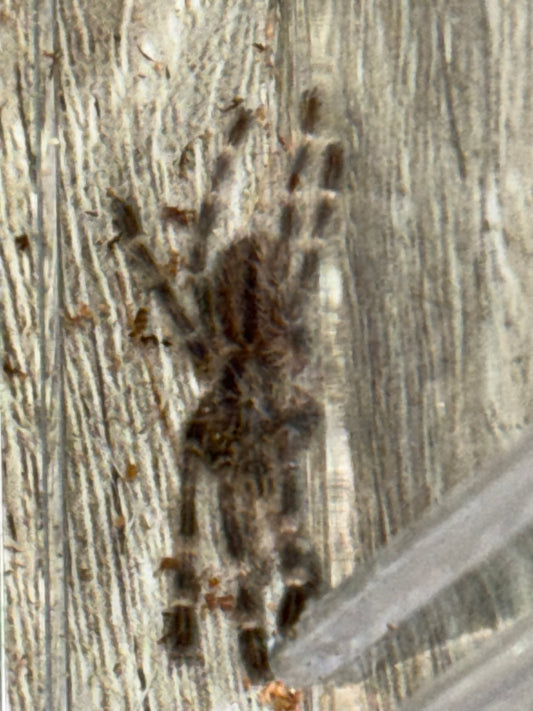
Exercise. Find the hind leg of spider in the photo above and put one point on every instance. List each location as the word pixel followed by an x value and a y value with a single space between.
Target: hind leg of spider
pixel 249 611
pixel 180 620
pixel 240 535
pixel 181 626
pixel 301 571
pixel 298 561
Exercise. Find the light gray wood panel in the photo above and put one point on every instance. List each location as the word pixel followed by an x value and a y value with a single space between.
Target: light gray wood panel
pixel 426 355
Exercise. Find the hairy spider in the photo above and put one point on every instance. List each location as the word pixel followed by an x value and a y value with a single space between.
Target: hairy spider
pixel 250 343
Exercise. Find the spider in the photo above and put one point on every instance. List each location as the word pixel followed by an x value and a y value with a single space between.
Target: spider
pixel 249 342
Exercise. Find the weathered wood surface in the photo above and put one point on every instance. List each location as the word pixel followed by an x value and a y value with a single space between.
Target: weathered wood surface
pixel 426 344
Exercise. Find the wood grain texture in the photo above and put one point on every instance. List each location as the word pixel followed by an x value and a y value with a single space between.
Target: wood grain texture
pixel 425 326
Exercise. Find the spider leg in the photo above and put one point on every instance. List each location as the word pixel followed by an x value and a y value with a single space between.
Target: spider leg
pixel 309 114
pixel 204 226
pixel 181 625
pixel 290 496
pixel 310 105
pixel 164 292
pixel 302 286
pixel 279 261
pixel 299 563
pixel 288 222
pixel 253 650
pixel 205 302
pixel 188 524
pixel 209 205
pixel 301 571
pixel 161 288
pixel 301 159
pixel 159 284
pixel 126 213
pixel 332 167
pixel 234 521
pixel 330 182
pixel 238 527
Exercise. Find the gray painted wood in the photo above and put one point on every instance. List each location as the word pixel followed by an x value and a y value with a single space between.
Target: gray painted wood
pixel 424 327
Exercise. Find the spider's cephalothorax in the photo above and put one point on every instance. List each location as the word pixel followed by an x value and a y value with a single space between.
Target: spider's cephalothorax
pixel 250 342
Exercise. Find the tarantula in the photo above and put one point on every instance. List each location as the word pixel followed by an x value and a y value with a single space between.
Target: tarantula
pixel 249 342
